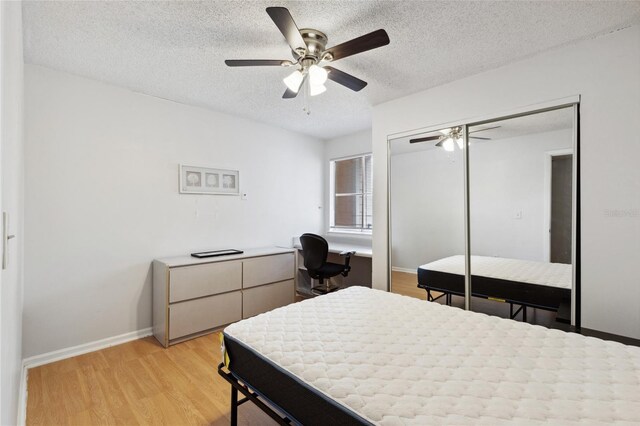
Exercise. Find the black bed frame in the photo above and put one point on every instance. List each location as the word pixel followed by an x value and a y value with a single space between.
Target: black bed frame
pixel 513 292
pixel 237 386
pixel 284 398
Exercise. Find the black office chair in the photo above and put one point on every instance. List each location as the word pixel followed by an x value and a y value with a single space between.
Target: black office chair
pixel 314 251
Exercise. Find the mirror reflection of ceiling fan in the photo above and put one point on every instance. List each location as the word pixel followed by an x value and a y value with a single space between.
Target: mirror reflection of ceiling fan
pixel 449 136
pixel 309 49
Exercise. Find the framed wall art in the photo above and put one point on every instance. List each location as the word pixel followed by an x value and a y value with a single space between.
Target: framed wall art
pixel 204 180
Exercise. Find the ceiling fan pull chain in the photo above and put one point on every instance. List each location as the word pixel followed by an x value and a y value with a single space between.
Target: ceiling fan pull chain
pixel 307 106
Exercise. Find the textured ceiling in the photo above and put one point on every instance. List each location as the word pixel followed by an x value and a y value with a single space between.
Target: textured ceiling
pixel 175 50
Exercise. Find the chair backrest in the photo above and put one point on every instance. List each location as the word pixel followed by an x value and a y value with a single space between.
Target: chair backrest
pixel 314 250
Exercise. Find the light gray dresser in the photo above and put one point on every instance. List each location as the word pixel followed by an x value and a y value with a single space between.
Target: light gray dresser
pixel 193 296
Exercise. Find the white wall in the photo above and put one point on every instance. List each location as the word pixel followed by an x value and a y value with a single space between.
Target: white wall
pixel 344 146
pixel 11 293
pixel 102 200
pixel 427 207
pixel 508 176
pixel 604 71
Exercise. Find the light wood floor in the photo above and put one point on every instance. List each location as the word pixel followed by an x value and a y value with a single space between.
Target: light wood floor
pixel 137 383
pixel 407 284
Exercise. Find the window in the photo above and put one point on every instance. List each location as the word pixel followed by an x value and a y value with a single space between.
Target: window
pixel 351 194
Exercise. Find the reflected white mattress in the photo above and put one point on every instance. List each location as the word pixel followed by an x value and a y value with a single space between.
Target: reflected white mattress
pixel 397 360
pixel 526 271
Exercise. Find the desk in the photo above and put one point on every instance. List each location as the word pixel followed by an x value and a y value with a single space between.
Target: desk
pixel 361 251
pixel 194 296
pixel 360 274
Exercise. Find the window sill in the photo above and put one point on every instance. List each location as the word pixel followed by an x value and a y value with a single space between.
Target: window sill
pixel 351 232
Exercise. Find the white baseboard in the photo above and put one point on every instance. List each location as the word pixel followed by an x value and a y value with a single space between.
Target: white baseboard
pixel 407 270
pixel 22 397
pixel 37 360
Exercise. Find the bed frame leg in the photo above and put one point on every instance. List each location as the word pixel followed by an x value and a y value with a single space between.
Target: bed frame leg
pixel 524 314
pixel 234 406
pixel 429 296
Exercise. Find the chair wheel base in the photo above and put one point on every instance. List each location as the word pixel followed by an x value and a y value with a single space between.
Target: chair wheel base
pixel 323 289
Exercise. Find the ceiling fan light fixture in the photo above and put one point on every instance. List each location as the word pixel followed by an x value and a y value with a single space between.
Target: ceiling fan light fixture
pixel 317 75
pixel 459 142
pixel 448 145
pixel 294 81
pixel 316 89
pixel 308 47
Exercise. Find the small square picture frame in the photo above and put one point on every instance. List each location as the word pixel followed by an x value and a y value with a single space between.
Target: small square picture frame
pixel 207 180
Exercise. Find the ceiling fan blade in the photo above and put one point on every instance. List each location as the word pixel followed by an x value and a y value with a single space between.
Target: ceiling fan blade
pixel 347 80
pixel 287 26
pixel 487 128
pixel 361 44
pixel 289 94
pixel 479 138
pixel 425 139
pixel 257 63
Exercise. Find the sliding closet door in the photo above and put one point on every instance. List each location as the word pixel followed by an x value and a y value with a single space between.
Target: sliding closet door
pixel 426 182
pixel 521 216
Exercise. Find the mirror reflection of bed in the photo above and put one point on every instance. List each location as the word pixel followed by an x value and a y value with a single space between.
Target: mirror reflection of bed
pixel 520 217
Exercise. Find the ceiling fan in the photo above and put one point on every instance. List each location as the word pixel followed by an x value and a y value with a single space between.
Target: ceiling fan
pixel 448 136
pixel 309 50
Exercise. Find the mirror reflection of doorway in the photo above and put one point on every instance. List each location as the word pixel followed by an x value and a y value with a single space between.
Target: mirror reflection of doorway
pixel 561 208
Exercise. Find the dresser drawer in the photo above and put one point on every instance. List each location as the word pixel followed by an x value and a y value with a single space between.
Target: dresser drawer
pixel 261 299
pixel 267 269
pixel 202 314
pixel 189 282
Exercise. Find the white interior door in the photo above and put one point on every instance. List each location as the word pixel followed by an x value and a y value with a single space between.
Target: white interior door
pixel 11 199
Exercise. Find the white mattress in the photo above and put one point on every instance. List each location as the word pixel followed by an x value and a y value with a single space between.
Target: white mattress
pixel 396 360
pixel 526 271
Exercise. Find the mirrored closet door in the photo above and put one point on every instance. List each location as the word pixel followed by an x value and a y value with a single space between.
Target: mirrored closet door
pixel 512 182
pixel 521 216
pixel 426 211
